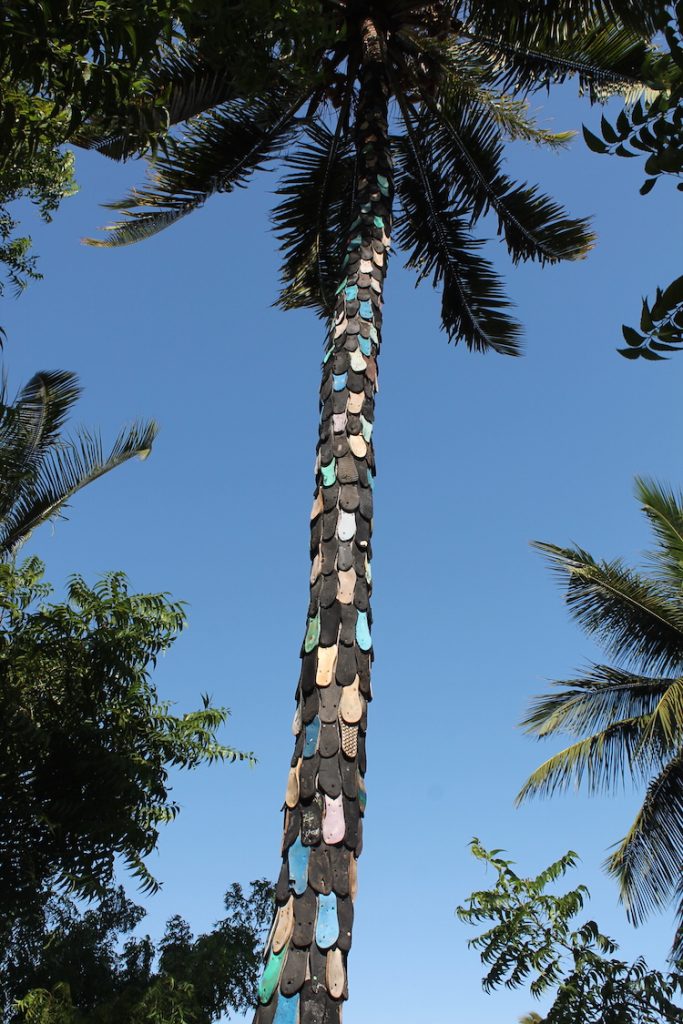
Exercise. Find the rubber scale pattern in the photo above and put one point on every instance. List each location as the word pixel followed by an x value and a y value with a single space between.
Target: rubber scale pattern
pixel 305 975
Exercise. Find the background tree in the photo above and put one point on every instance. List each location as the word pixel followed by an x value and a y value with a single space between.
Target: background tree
pixel 449 69
pixel 72 63
pixel 532 939
pixel 85 966
pixel 40 469
pixel 86 744
pixel 628 716
pixel 654 128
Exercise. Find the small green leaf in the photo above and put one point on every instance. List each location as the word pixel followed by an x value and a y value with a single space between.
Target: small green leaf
pixel 608 131
pixel 623 124
pixel 593 142
pixel 646 323
pixel 661 346
pixel 632 337
pixel 629 353
pixel 637 114
pixel 652 165
pixel 673 295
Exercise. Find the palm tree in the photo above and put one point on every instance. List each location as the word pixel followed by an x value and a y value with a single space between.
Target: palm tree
pixel 426 170
pixel 40 470
pixel 627 717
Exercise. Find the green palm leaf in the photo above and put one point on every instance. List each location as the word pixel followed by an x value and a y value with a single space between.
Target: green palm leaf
pixel 30 427
pixel 664 726
pixel 183 84
pixel 511 115
pixel 434 231
pixel 633 617
pixel 553 22
pixel 664 508
pixel 594 702
pixel 313 217
pixel 65 469
pixel 217 153
pixel 648 862
pixel 468 149
pixel 634 723
pixel 601 761
pixel 605 60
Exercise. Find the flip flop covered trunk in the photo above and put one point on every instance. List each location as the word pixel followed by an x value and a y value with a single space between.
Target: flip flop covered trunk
pixel 305 975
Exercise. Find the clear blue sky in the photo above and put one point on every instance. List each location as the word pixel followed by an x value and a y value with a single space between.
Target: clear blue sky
pixel 476 456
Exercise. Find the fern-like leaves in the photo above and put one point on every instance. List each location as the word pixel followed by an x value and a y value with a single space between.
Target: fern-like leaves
pixel 216 153
pixel 312 219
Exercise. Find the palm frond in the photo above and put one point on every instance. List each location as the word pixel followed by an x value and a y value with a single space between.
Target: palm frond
pixel 464 77
pixel 30 426
pixel 601 761
pixel 552 22
pixel 605 60
pixel 43 405
pixel 630 615
pixel 514 120
pixel 434 230
pixel 313 218
pixel 676 951
pixel 217 153
pixel 664 730
pixel 593 702
pixel 182 85
pixel 648 863
pixel 64 470
pixel 664 508
pixel 468 149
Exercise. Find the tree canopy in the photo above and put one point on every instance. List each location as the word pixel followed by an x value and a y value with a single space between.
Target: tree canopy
pixel 85 966
pixel 459 75
pixel 531 938
pixel 627 717
pixel 74 63
pixel 86 744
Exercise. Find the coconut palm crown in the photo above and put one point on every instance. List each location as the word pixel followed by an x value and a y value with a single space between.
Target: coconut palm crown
pixel 451 70
pixel 627 717
pixel 41 469
pixel 397 128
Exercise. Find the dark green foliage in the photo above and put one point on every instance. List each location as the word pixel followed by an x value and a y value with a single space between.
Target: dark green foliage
pixel 73 70
pixel 468 148
pixel 448 70
pixel 508 19
pixel 434 230
pixel 215 154
pixel 40 469
pixel 532 939
pixel 80 966
pixel 661 325
pixel 312 218
pixel 86 744
pixel 45 180
pixel 603 57
pixel 627 719
pixel 60 63
pixel 654 130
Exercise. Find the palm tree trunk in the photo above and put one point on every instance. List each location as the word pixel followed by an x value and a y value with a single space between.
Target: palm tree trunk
pixel 305 977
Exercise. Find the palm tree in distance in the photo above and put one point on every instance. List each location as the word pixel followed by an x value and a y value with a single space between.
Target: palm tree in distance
pixel 447 70
pixel 40 470
pixel 627 718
